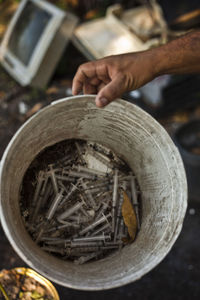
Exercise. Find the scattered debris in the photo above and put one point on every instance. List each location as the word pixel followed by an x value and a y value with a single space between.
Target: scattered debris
pixel 22 108
pixel 21 284
pixel 192 211
pixel 34 109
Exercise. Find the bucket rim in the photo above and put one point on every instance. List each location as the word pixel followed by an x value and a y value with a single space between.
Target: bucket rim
pixel 156 260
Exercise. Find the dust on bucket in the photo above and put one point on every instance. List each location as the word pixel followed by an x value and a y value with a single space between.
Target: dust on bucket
pixel 148 150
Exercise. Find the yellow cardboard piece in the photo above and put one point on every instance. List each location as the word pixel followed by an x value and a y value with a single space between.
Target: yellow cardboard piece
pixel 129 216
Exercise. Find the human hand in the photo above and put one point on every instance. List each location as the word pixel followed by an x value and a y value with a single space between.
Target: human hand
pixel 111 76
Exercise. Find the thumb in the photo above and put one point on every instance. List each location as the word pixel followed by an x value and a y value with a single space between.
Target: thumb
pixel 111 91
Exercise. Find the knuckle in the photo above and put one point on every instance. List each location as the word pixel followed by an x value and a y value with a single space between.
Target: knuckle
pixel 81 68
pixel 122 77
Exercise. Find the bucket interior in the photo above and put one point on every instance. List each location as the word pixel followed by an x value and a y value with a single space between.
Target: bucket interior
pixel 147 149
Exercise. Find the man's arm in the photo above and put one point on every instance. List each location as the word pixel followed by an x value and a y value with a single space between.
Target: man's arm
pixel 180 56
pixel 111 76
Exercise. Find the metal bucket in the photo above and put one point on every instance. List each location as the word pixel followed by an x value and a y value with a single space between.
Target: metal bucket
pixel 143 144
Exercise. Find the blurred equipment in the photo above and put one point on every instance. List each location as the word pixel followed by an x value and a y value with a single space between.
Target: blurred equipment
pixel 167 94
pixel 35 40
pixel 187 21
pixel 187 138
pixel 119 32
pixel 146 21
pixel 180 11
pixel 152 92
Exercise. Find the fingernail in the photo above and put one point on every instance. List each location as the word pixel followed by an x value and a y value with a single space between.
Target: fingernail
pixel 103 101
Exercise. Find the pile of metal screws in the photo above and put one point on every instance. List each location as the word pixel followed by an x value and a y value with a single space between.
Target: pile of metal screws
pixel 76 207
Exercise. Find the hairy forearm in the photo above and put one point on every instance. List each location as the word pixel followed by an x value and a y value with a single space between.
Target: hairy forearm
pixel 112 76
pixel 178 56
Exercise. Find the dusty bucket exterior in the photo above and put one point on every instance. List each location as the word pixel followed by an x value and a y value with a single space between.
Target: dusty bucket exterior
pixel 143 144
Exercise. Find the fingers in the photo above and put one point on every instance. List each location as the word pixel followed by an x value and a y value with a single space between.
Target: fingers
pixel 77 84
pixel 89 89
pixel 94 77
pixel 111 91
pixel 101 86
pixel 84 73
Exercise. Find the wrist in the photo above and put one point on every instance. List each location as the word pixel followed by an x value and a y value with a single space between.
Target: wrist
pixel 179 56
pixel 158 61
